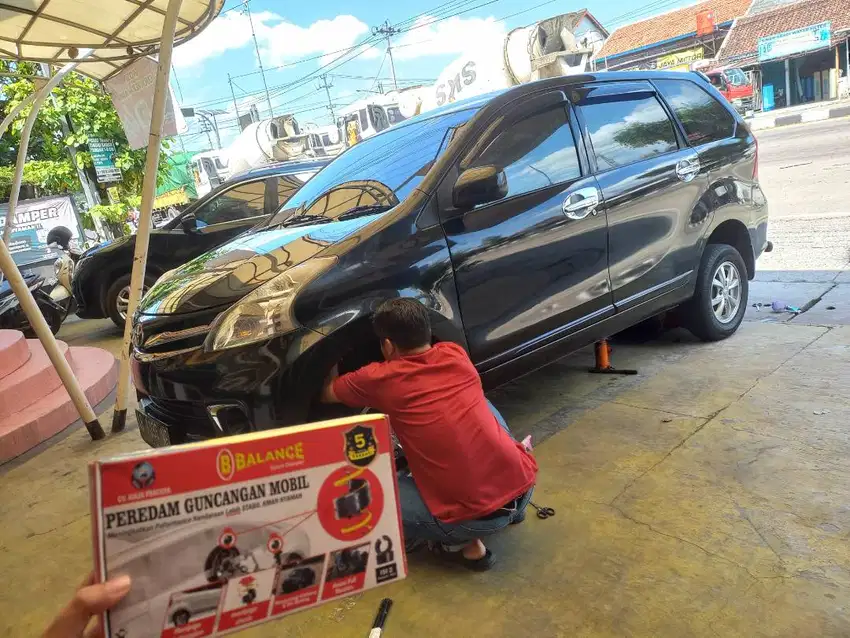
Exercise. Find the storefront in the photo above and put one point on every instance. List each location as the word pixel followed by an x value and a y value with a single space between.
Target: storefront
pixel 673 40
pixel 797 53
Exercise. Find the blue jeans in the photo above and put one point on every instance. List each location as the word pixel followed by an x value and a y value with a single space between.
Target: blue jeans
pixel 420 524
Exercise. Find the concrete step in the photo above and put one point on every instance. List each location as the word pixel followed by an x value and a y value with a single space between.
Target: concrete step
pixel 14 351
pixel 97 372
pixel 31 381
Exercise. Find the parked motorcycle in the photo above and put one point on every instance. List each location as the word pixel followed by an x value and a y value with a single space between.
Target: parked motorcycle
pixel 63 268
pixel 13 317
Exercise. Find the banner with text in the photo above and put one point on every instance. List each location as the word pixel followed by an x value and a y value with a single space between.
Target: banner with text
pixel 34 218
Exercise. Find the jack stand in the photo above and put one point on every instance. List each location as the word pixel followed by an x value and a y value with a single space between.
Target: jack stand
pixel 603 364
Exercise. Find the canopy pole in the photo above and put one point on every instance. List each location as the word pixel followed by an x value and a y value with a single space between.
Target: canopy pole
pixel 14 112
pixel 137 279
pixel 37 101
pixel 16 280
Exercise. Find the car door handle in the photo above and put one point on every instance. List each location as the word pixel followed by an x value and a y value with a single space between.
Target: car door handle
pixel 687 169
pixel 581 203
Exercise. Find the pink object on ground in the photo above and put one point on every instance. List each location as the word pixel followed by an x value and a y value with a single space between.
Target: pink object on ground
pixel 34 404
pixel 526 443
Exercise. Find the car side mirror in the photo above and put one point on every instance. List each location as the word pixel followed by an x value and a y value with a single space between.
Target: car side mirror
pixel 188 223
pixel 479 185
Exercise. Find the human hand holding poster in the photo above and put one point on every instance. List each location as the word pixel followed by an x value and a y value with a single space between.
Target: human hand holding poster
pixel 222 535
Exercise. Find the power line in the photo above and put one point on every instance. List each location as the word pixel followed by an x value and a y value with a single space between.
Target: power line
pixel 387 31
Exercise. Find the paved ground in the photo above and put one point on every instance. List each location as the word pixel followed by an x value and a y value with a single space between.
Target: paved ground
pixel 706 496
pixel 804 171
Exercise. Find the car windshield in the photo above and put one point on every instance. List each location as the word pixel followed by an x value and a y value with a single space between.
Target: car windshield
pixel 373 175
pixel 736 77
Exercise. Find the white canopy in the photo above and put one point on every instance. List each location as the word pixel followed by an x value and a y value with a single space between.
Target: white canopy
pixel 118 30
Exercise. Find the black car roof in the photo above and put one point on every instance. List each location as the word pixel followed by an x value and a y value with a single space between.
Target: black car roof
pixel 281 168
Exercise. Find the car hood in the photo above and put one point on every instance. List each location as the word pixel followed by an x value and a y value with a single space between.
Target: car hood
pixel 228 273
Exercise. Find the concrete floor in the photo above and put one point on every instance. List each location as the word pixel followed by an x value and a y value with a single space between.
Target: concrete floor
pixel 707 496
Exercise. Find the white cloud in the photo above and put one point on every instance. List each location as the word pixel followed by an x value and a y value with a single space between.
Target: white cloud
pixel 280 41
pixel 452 36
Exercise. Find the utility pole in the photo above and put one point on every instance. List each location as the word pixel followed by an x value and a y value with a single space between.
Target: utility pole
pixel 387 31
pixel 233 93
pixel 327 87
pixel 259 60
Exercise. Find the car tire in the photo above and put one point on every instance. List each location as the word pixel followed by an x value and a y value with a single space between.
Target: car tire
pixel 716 310
pixel 118 288
pixel 180 617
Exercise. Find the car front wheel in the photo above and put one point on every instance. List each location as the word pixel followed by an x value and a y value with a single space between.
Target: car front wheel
pixel 118 298
pixel 720 299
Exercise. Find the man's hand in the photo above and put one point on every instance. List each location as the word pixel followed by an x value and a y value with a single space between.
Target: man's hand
pixel 328 395
pixel 90 600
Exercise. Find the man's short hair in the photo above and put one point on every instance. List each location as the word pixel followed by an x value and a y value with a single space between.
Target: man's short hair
pixel 403 321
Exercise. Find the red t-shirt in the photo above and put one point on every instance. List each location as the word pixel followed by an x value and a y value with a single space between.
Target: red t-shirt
pixel 465 465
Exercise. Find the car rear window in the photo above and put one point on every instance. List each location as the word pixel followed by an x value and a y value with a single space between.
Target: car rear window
pixel 628 130
pixel 702 116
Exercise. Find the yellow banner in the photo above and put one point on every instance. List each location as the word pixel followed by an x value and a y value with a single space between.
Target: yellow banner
pixel 171 198
pixel 680 58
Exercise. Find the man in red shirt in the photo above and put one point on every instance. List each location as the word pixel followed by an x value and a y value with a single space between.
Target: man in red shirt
pixel 468 477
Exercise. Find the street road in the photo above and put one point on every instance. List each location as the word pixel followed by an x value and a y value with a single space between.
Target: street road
pixel 804 171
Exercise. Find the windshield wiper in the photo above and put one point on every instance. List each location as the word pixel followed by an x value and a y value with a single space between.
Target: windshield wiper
pixel 303 220
pixel 362 211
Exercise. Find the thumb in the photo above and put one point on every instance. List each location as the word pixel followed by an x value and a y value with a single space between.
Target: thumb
pixel 88 601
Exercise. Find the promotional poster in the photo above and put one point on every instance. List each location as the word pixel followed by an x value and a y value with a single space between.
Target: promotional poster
pixel 219 536
pixel 34 218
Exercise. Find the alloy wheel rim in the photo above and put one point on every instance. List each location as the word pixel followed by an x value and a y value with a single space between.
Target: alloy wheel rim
pixel 122 301
pixel 726 292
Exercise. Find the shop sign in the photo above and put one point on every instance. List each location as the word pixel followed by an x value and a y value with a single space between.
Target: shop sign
pixel 680 58
pixel 780 45
pixel 102 151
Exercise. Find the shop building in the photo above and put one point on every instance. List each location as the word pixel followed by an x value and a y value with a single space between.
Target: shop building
pixel 673 40
pixel 796 52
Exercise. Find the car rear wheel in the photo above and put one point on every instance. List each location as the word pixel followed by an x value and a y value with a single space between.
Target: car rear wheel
pixel 720 299
pixel 118 297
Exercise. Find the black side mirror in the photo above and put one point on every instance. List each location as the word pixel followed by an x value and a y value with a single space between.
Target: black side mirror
pixel 188 223
pixel 479 185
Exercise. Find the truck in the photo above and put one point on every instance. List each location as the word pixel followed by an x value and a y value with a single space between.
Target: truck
pixel 734 85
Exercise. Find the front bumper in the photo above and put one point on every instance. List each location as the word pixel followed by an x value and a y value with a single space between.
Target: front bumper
pixel 200 395
pixel 89 304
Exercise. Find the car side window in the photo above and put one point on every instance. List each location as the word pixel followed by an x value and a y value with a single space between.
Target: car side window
pixel 628 130
pixel 703 117
pixel 536 152
pixel 240 202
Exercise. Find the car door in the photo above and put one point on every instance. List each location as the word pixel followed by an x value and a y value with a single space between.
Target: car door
pixel 221 218
pixel 651 185
pixel 532 265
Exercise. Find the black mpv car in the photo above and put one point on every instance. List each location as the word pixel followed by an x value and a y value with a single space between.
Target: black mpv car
pixel 531 222
pixel 102 276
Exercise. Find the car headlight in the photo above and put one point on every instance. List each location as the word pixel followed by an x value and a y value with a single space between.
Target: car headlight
pixel 267 311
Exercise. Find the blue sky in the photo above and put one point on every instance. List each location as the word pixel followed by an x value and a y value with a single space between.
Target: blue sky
pixel 288 32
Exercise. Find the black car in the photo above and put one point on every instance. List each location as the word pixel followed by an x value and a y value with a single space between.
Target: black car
pixel 102 277
pixel 531 222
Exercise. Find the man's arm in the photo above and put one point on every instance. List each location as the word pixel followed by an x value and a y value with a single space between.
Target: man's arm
pixel 328 394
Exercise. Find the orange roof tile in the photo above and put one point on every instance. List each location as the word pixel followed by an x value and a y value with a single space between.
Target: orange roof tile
pixel 669 25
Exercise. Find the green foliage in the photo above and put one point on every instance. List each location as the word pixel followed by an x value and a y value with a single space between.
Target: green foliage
pixel 46 176
pixel 114 215
pixel 87 111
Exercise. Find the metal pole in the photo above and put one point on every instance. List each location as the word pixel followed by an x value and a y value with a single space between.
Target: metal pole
pixel 328 93
pixel 217 136
pixel 140 256
pixel 14 113
pixel 16 281
pixel 259 60
pixel 392 64
pixel 233 93
pixel 40 96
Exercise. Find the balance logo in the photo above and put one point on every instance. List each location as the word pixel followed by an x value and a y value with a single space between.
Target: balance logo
pixel 225 465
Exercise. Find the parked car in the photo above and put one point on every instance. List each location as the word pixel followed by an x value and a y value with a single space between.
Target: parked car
pixel 102 277
pixel 531 222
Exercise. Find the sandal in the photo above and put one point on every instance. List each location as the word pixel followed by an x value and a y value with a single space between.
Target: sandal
pixel 482 564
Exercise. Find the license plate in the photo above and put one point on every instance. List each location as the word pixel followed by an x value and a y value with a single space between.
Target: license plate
pixel 154 432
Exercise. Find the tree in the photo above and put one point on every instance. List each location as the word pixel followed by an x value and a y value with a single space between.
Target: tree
pixel 89 113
